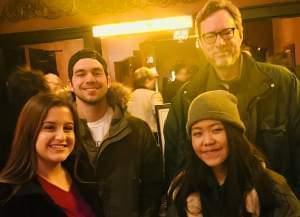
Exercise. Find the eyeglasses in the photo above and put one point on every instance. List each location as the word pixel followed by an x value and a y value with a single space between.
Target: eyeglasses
pixel 211 37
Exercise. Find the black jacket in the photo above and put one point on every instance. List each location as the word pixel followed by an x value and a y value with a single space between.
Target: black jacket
pixel 30 201
pixel 171 90
pixel 127 172
pixel 286 205
pixel 269 105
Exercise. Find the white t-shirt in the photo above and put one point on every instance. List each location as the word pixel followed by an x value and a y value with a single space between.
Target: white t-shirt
pixel 99 129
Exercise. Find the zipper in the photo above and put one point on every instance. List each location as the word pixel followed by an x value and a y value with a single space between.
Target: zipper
pixel 262 96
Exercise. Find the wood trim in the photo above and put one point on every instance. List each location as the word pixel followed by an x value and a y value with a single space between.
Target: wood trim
pixel 288 9
pixel 43 36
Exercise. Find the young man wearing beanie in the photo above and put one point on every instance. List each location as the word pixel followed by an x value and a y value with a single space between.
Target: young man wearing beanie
pixel 268 95
pixel 119 155
pixel 225 174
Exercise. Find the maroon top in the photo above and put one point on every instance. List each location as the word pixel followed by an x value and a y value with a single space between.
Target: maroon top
pixel 70 201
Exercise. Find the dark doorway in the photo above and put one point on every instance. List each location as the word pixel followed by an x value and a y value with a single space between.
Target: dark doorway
pixel 43 60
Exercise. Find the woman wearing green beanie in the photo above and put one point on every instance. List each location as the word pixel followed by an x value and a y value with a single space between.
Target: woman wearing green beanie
pixel 225 175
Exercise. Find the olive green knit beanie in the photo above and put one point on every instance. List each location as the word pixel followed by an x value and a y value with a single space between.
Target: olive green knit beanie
pixel 216 105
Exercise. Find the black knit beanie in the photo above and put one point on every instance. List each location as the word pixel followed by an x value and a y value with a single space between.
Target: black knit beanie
pixel 216 105
pixel 85 53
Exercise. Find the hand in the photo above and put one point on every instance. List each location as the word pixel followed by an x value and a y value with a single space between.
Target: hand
pixel 193 205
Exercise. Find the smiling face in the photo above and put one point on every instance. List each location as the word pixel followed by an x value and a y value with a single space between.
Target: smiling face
pixel 89 81
pixel 223 53
pixel 209 141
pixel 56 138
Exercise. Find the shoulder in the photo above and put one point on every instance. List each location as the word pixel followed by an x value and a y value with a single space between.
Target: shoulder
pixel 136 124
pixel 28 193
pixel 142 91
pixel 280 183
pixel 282 190
pixel 276 72
pixel 31 200
pixel 5 190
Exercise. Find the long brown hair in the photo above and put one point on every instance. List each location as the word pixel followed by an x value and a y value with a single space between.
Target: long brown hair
pixel 22 164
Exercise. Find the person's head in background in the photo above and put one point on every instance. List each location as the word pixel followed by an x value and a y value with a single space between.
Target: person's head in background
pixel 192 70
pixel 45 136
pixel 283 58
pixel 144 77
pixel 22 84
pixel 220 32
pixel 54 82
pixel 181 72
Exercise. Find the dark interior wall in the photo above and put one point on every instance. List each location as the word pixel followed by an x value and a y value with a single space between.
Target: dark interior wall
pixel 259 34
pixel 171 52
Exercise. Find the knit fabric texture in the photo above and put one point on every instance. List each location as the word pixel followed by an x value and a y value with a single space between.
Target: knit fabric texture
pixel 214 105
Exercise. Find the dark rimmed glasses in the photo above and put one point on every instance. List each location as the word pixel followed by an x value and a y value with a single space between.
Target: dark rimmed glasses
pixel 211 37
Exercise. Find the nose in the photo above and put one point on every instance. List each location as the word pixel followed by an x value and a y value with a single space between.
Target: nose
pixel 90 77
pixel 60 134
pixel 219 40
pixel 207 139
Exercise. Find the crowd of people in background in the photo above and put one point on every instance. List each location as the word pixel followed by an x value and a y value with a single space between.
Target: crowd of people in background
pixel 89 147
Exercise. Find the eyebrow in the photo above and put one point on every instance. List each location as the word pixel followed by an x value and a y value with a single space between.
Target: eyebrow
pixel 214 32
pixel 91 69
pixel 53 122
pixel 211 125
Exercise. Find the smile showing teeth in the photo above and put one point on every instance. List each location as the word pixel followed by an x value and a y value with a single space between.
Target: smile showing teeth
pixel 58 147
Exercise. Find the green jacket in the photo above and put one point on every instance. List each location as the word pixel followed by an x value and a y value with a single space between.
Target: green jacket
pixel 126 171
pixel 269 105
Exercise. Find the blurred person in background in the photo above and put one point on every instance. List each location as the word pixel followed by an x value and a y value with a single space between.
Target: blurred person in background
pixel 144 98
pixel 54 82
pixel 22 84
pixel 57 86
pixel 181 76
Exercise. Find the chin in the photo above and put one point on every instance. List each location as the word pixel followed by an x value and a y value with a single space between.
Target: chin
pixel 59 159
pixel 213 163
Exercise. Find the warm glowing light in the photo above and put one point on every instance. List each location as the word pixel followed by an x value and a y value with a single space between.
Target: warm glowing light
pixel 181 35
pixel 154 25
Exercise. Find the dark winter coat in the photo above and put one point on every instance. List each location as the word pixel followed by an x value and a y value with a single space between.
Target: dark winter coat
pixel 127 172
pixel 286 205
pixel 30 201
pixel 269 105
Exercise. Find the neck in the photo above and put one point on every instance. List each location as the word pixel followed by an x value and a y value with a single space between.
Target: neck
pixel 56 175
pixel 230 73
pixel 220 174
pixel 91 112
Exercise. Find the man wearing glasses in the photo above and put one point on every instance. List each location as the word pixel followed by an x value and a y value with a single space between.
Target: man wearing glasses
pixel 268 95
